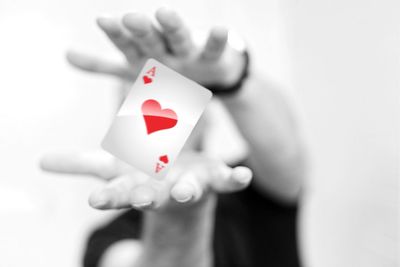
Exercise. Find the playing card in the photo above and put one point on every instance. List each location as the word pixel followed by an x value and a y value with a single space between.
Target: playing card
pixel 156 119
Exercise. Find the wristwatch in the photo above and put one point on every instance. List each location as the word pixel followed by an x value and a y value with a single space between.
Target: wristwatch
pixel 237 43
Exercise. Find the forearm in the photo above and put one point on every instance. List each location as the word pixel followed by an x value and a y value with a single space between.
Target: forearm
pixel 266 121
pixel 181 239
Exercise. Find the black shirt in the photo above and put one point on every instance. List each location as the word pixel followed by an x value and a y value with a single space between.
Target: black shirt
pixel 250 230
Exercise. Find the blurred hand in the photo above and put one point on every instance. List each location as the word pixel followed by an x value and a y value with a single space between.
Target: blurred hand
pixel 192 177
pixel 169 42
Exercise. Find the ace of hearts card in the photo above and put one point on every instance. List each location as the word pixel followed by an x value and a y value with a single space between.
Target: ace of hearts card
pixel 156 118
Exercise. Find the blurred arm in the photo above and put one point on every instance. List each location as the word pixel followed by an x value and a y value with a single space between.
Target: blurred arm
pixel 178 239
pixel 169 240
pixel 276 156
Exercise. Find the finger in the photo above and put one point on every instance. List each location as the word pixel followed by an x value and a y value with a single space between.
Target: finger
pixel 117 193
pixel 120 38
pixel 151 195
pixel 176 33
pixel 231 180
pixel 145 34
pixel 188 188
pixel 144 197
pixel 95 65
pixel 215 44
pixel 97 164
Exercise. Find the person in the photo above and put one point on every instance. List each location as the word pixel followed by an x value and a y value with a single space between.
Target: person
pixel 208 211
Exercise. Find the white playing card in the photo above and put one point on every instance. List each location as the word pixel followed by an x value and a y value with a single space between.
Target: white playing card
pixel 156 119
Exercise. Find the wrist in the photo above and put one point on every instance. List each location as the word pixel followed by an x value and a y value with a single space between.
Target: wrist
pixel 179 236
pixel 235 62
pixel 233 78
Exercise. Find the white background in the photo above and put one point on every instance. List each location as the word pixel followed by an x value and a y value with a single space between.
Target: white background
pixel 340 58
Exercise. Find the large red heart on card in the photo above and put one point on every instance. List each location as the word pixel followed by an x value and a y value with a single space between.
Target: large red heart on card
pixel 157 119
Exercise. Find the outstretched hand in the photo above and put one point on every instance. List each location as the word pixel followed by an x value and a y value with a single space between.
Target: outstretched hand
pixel 170 42
pixel 190 180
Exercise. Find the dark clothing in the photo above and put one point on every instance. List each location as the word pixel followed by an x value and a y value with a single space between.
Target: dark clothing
pixel 250 230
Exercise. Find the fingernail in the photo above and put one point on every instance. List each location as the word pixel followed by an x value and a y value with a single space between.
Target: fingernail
pixel 183 200
pixel 242 175
pixel 100 203
pixel 107 25
pixel 99 198
pixel 142 205
pixel 101 21
pixel 165 9
pixel 243 179
pixel 106 15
